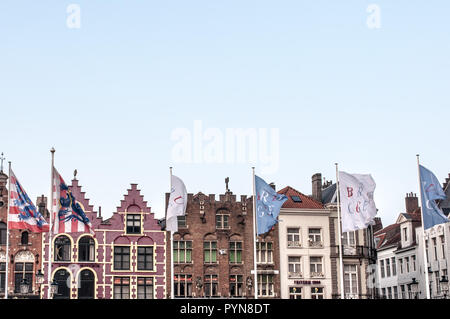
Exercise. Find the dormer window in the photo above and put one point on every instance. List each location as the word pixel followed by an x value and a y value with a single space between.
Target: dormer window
pixel 133 224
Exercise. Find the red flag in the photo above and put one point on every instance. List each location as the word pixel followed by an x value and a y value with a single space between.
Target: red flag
pixel 22 212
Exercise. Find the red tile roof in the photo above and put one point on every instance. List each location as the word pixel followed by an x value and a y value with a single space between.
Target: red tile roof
pixel 307 202
pixel 389 235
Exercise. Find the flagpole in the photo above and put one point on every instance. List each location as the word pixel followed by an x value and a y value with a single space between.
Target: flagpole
pixel 172 293
pixel 254 236
pixel 341 264
pixel 49 272
pixel 427 279
pixel 7 233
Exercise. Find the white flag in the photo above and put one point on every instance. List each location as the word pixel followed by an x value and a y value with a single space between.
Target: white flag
pixel 177 204
pixel 357 204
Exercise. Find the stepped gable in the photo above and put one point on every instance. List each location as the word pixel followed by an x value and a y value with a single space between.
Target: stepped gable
pixel 133 201
pixel 80 196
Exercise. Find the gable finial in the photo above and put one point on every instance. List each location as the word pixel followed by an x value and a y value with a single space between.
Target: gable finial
pixel 2 158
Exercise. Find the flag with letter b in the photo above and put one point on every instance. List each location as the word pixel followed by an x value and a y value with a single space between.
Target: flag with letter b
pixel 357 204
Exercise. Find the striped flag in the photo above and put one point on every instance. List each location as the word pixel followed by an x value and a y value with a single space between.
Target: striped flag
pixel 22 213
pixel 68 214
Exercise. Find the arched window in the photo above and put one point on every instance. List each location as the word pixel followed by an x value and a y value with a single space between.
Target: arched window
pixel 86 249
pixel 24 238
pixel 62 248
pixel 3 233
pixel 60 278
pixel 86 286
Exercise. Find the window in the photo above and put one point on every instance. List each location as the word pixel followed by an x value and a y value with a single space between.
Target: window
pixel 405 234
pixel 121 258
pixel 317 293
pixel 294 266
pixel 426 249
pixel 3 232
pixel 413 261
pixel 182 251
pixel 62 248
pixel 144 288
pixel 442 246
pixel 293 237
pixel 181 221
pixel 121 287
pixel 435 249
pixel 236 285
pixel 383 292
pixel 350 280
pixel 211 286
pixel 235 253
pixel 400 262
pixel 407 264
pixel 86 289
pixel 2 276
pixel 210 251
pixel 315 267
pixel 183 286
pixel 295 292
pixel 315 237
pixel 389 290
pixel 348 239
pixel 24 238
pixel 145 258
pixel 403 292
pixel 264 252
pixel 265 285
pixel 394 267
pixel 395 296
pixel 437 279
pixel 86 249
pixel 388 267
pixel 296 199
pixel 23 271
pixel 222 221
pixel 133 224
pixel 382 270
pixel 60 278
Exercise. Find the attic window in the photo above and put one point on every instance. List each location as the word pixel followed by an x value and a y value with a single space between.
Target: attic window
pixel 296 199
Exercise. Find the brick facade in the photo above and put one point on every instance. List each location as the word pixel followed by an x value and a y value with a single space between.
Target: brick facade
pixel 222 267
pixel 25 251
pixel 94 271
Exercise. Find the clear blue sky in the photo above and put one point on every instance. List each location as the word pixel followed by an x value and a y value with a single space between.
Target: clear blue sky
pixel 108 95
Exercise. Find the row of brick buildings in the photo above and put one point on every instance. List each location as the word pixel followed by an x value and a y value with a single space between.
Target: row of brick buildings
pixel 213 251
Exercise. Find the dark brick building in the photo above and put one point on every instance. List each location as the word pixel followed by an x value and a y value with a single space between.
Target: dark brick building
pixel 213 250
pixel 25 250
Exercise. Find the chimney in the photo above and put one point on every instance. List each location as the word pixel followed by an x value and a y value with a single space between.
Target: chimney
pixel 411 203
pixel 317 187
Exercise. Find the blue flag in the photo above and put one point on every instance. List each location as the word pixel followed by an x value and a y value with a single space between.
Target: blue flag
pixel 268 204
pixel 431 190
